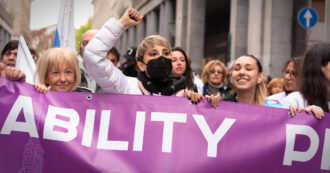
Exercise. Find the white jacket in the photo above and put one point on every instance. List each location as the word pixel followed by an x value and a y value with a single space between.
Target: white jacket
pixel 110 78
pixel 297 99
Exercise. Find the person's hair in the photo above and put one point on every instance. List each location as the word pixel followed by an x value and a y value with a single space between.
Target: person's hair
pixel 11 45
pixel 188 72
pixel 210 65
pixel 32 51
pixel 313 81
pixel 114 51
pixel 260 93
pixel 53 57
pixel 151 41
pixel 274 82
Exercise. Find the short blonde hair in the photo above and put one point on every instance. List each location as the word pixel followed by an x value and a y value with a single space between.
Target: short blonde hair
pixel 210 65
pixel 53 57
pixel 151 41
pixel 272 83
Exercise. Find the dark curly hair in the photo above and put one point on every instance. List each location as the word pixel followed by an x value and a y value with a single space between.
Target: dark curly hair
pixel 313 82
pixel 188 72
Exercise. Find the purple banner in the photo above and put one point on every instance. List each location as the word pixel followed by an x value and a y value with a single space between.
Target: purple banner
pixel 83 132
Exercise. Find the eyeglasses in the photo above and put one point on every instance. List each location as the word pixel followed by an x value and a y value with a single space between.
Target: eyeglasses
pixel 290 73
pixel 216 71
pixel 83 43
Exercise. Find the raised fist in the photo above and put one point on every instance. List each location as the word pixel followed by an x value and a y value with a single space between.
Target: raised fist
pixel 131 17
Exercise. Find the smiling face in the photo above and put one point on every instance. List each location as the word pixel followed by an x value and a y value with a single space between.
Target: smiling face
pixel 216 75
pixel 178 63
pixel 9 58
pixel 61 78
pixel 245 74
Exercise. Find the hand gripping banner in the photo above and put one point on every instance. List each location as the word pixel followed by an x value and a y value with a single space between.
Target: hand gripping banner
pixel 107 133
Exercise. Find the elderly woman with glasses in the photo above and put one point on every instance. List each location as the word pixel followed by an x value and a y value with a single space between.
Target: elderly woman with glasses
pixel 215 78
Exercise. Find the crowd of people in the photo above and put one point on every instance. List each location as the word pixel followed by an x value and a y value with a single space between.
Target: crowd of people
pixel 155 68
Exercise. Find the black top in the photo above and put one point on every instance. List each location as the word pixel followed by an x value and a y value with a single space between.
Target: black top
pixel 82 89
pixel 231 98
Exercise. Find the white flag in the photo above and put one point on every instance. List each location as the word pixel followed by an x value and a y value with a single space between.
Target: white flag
pixel 65 32
pixel 25 62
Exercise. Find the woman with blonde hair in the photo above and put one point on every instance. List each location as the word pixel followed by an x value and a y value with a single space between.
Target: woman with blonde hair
pixel 58 70
pixel 215 80
pixel 247 77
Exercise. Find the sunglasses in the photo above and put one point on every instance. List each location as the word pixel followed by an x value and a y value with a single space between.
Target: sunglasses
pixel 216 71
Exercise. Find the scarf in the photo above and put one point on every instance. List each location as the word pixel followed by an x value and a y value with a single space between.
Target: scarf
pixel 168 88
pixel 213 89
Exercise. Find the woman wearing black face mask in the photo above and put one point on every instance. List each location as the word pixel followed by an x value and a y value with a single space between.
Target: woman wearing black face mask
pixel 153 60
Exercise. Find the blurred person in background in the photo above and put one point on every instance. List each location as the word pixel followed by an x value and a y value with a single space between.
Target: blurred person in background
pixel 314 92
pixel 275 86
pixel 130 67
pixel 9 54
pixel 291 75
pixel 86 80
pixel 181 67
pixel 215 80
pixel 34 55
pixel 113 55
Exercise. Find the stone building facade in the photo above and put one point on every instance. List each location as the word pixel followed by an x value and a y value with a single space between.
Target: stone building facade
pixel 223 29
pixel 6 23
pixel 14 20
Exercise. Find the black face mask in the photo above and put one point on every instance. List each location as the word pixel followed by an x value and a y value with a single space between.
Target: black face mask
pixel 159 69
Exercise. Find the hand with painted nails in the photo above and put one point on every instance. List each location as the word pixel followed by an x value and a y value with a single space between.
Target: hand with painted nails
pixel 214 100
pixel 315 110
pixel 192 96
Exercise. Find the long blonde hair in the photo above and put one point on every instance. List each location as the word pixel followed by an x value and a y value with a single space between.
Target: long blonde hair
pixel 53 57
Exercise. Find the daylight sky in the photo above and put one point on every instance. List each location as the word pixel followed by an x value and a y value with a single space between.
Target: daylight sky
pixel 45 12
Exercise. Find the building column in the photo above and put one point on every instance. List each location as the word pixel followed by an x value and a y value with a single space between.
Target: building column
pixel 131 37
pixel 118 45
pixel 239 10
pixel 327 20
pixel 181 23
pixel 124 43
pixel 166 21
pixel 277 35
pixel 151 23
pixel 140 32
pixel 255 27
pixel 195 32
